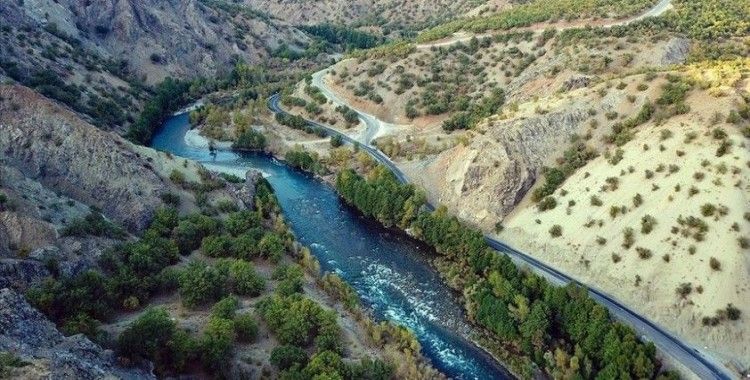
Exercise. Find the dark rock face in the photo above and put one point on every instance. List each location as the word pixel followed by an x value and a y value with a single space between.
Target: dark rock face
pixel 576 82
pixel 246 193
pixel 52 145
pixel 20 274
pixel 676 51
pixel 159 38
pixel 25 332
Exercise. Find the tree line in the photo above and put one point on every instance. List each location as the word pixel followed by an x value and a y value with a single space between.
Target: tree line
pixel 560 329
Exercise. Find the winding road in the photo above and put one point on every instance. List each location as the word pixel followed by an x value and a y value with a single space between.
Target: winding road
pixel 700 363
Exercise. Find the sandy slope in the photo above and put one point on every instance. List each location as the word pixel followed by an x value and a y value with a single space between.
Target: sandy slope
pixel 580 250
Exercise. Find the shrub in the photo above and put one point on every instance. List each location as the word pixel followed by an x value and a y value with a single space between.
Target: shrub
pixel 171 199
pixel 595 201
pixel 665 134
pixel 178 177
pixel 217 246
pixel 154 336
pixel 628 238
pixel 296 320
pixel 684 289
pixel 93 224
pixel 616 258
pixel 719 134
pixel 708 210
pixel 200 283
pixel 644 253
pixel 647 224
pixel 336 141
pixel 613 211
pixel 9 360
pixel 246 328
pixel 250 140
pixel 225 308
pixel 555 231
pixel 241 277
pixel 637 200
pixel 732 312
pixel 715 264
pixel 600 240
pixel 548 203
pixel 216 343
pixel 287 356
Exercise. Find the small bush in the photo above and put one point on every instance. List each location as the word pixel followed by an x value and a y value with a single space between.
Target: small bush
pixel 647 224
pixel 628 238
pixel 555 231
pixel 287 356
pixel 616 258
pixel 595 201
pixel 246 328
pixel 715 264
pixel 684 289
pixel 732 312
pixel 644 253
pixel 708 210
pixel 637 200
pixel 548 203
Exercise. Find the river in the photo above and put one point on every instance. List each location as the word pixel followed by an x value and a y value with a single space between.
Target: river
pixel 390 271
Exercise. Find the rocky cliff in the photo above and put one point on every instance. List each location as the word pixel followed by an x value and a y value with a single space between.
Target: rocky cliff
pixel 29 336
pixel 156 38
pixel 52 145
pixel 484 180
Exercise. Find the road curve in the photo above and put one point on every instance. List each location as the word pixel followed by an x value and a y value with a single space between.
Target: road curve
pixel 371 122
pixel 702 365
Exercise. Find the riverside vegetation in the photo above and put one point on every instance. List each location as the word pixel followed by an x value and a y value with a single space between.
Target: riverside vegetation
pixel 231 243
pixel 559 329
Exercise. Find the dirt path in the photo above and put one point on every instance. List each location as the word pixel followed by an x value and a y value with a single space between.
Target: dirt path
pixel 657 10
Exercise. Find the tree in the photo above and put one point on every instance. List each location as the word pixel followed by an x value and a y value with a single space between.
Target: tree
pixel 147 336
pixel 286 356
pixel 200 283
pixel 241 277
pixel 250 140
pixel 246 328
pixel 324 363
pixel 216 344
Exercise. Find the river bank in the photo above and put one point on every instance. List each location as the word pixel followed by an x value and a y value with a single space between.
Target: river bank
pixel 516 364
pixel 391 274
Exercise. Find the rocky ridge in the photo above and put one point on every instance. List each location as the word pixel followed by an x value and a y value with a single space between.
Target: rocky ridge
pixel 28 335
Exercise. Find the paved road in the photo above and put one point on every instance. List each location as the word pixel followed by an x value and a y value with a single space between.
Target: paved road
pixel 702 365
pixel 371 122
pixel 273 105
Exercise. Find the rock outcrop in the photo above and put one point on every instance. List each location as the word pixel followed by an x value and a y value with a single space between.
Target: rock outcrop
pixel 52 145
pixel 27 334
pixel 246 193
pixel 159 38
pixel 676 51
pixel 491 175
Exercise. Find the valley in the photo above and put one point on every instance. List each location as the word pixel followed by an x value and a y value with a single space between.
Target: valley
pixel 374 189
